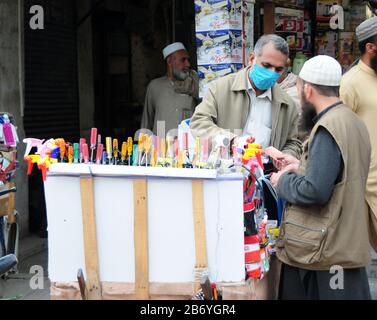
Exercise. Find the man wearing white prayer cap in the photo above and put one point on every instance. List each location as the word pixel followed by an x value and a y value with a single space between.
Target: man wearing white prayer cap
pixel 173 97
pixel 324 243
pixel 359 92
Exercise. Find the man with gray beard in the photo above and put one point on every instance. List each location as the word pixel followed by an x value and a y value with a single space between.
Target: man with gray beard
pixel 173 97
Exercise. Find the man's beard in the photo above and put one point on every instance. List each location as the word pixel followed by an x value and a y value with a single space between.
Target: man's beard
pixel 308 113
pixel 373 63
pixel 180 75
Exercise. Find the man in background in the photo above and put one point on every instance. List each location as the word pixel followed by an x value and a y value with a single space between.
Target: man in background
pixel 358 91
pixel 173 97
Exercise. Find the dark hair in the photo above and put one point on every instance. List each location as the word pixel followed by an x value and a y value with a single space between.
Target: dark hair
pixel 362 44
pixel 327 91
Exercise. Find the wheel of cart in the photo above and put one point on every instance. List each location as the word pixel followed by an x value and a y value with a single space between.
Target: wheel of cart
pixel 7 263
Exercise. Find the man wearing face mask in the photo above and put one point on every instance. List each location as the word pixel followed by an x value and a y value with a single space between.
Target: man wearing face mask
pixel 324 229
pixel 250 102
pixel 358 91
pixel 171 98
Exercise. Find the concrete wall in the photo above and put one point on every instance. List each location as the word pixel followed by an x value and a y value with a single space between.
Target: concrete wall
pixel 10 95
pixel 85 68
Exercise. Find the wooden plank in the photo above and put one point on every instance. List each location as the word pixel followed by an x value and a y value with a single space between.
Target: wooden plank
pixel 90 238
pixel 269 18
pixel 11 197
pixel 199 227
pixel 141 239
pixel 4 204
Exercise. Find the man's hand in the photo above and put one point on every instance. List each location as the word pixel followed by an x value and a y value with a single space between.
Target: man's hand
pixel 275 177
pixel 286 160
pixel 293 167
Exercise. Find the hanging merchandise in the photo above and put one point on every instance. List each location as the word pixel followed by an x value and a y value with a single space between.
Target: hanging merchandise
pixel 294 26
pixel 9 229
pixel 256 223
pixel 8 150
pixel 289 23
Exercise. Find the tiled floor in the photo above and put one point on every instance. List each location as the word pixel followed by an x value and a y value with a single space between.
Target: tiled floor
pixel 33 252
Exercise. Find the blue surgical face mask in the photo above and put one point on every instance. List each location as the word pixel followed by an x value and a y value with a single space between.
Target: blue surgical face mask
pixel 263 78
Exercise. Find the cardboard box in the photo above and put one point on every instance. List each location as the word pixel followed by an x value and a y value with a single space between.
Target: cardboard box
pixel 224 36
pixel 209 73
pixel 218 15
pixel 248 31
pixel 218 47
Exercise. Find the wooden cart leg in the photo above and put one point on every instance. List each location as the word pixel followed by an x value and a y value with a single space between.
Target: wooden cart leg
pixel 141 239
pixel 90 238
pixel 200 230
pixel 11 197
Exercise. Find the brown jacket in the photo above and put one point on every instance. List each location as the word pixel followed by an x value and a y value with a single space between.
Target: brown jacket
pixel 225 109
pixel 319 237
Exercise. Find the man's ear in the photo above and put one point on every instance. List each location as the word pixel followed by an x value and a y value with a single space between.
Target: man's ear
pixel 308 90
pixel 370 48
pixel 169 61
pixel 251 58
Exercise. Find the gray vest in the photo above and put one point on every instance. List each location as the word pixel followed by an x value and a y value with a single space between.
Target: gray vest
pixel 319 237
